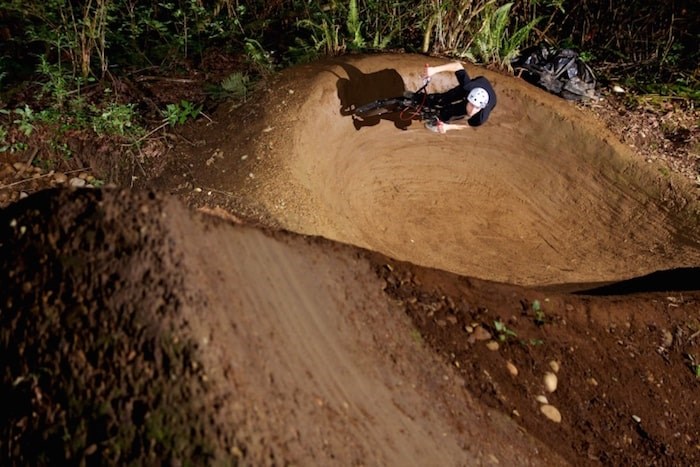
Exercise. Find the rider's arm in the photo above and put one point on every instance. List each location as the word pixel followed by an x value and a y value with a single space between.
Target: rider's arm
pixel 453 126
pixel 453 67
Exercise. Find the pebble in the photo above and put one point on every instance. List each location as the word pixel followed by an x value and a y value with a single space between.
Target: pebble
pixel 481 334
pixel 77 182
pixel 666 339
pixel 60 177
pixel 512 369
pixel 492 345
pixel 554 365
pixel 542 399
pixel 550 381
pixel 551 413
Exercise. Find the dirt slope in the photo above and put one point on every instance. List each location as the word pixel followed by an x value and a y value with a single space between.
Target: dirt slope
pixel 305 360
pixel 542 194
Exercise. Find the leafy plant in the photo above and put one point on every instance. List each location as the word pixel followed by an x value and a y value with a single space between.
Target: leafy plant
pixel 325 36
pixel 4 145
pixel 58 81
pixel 354 25
pixel 540 317
pixel 492 43
pixel 115 119
pixel 694 365
pixel 450 25
pixel 178 114
pixel 503 331
pixel 261 58
pixel 236 85
pixel 25 122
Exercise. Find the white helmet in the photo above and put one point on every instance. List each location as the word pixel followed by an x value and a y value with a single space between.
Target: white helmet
pixel 478 97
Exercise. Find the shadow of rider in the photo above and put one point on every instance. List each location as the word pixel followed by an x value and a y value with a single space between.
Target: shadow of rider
pixel 362 88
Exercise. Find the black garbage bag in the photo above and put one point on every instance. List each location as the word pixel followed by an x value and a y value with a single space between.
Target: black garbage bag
pixel 559 71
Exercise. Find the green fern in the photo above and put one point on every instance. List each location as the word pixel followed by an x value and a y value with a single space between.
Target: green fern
pixel 236 85
pixel 355 26
pixel 492 43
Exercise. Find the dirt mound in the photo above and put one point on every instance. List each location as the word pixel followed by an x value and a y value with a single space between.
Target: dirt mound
pixel 91 336
pixel 292 349
pixel 284 349
pixel 542 194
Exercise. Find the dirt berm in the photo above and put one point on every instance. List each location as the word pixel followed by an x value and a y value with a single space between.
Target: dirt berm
pixel 541 194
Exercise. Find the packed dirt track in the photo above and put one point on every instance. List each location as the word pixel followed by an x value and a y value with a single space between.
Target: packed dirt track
pixel 540 194
pixel 298 288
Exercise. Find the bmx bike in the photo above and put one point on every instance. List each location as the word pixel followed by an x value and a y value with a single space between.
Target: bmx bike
pixel 416 105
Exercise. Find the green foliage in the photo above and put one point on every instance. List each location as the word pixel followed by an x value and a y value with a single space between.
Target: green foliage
pixel 450 25
pixel 236 85
pixel 540 317
pixel 325 36
pixel 354 25
pixel 114 119
pixel 25 122
pixel 4 145
pixel 58 83
pixel 259 57
pixel 492 43
pixel 694 365
pixel 503 331
pixel 178 114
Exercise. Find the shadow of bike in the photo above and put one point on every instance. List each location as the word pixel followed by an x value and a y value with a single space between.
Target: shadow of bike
pixel 362 88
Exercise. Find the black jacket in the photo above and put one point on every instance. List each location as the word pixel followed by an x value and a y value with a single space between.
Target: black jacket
pixel 453 103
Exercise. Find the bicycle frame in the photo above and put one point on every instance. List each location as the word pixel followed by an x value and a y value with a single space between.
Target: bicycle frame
pixel 407 107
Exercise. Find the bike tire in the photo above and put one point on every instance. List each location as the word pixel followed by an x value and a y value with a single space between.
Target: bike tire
pixel 381 107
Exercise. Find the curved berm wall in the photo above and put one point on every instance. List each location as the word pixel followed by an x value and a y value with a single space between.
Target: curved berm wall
pixel 540 194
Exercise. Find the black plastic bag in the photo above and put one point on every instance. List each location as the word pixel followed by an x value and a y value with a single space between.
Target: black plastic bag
pixel 559 71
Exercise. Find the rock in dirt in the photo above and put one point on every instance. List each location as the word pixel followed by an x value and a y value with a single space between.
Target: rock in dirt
pixel 550 381
pixel 554 365
pixel 481 334
pixel 551 413
pixel 492 345
pixel 512 369
pixel 77 182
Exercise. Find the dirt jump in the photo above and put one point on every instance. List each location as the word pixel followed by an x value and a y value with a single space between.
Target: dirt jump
pixel 372 293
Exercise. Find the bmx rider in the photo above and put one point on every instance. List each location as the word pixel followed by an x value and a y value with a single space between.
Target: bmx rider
pixel 468 104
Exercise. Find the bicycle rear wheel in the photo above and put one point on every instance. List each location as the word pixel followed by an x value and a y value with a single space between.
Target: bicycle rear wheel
pixel 382 107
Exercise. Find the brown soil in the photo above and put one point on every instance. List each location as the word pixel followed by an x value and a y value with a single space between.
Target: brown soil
pixel 366 295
